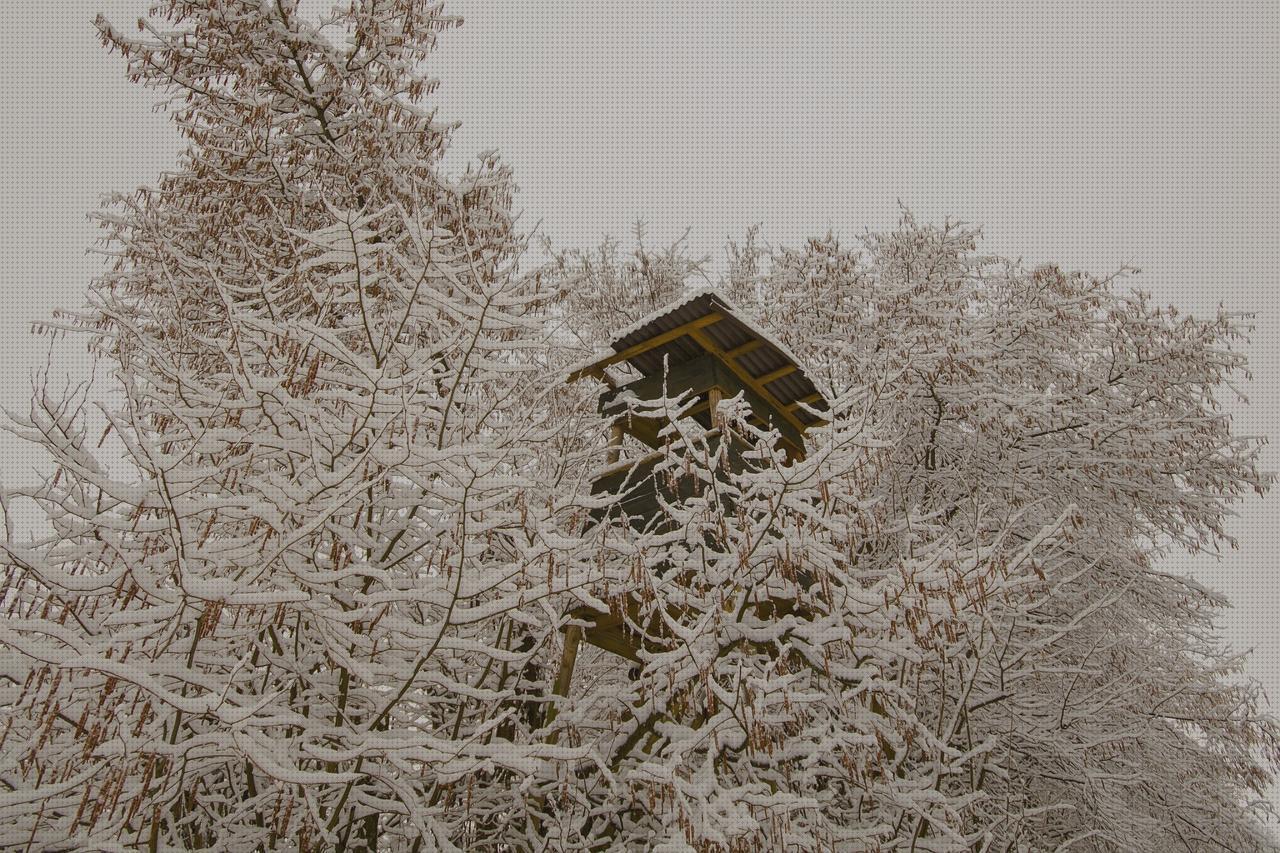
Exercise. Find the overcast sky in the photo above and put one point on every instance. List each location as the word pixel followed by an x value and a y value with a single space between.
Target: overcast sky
pixel 1090 135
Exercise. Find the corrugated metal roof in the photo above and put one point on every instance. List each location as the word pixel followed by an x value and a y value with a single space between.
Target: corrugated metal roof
pixel 727 333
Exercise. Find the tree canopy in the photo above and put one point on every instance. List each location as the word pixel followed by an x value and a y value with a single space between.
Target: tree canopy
pixel 324 601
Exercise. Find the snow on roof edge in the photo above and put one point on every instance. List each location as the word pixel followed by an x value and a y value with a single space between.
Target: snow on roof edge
pixel 690 296
pixel 608 349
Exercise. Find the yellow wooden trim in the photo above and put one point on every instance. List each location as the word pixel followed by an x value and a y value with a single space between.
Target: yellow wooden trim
pixel 743 349
pixel 811 398
pixel 785 370
pixel 747 379
pixel 597 369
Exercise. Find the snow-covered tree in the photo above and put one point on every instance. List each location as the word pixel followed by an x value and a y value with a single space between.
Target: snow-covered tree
pixel 1028 404
pixel 605 290
pixel 307 590
pixel 298 614
pixel 984 653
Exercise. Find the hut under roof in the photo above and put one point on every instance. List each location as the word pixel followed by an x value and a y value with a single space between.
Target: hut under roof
pixel 703 346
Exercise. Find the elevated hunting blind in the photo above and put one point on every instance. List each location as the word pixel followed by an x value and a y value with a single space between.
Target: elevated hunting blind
pixel 701 348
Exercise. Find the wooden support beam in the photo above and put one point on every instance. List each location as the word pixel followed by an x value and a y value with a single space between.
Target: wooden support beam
pixel 615 442
pixel 597 369
pixel 613 638
pixel 564 678
pixel 743 349
pixel 644 429
pixel 710 346
pixel 568 658
pixel 607 631
pixel 785 370
pixel 810 398
pixel 627 464
pixel 805 400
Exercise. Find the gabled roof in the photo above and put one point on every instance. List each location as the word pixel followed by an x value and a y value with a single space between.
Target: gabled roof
pixel 707 322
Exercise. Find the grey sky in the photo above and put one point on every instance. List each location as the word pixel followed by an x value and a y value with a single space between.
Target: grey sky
pixel 1086 134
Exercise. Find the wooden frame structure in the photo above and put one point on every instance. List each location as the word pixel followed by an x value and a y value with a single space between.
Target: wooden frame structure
pixel 701 347
pixel 704 329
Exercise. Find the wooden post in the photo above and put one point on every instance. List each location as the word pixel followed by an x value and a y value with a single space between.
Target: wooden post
pixel 615 441
pixel 714 396
pixel 564 678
